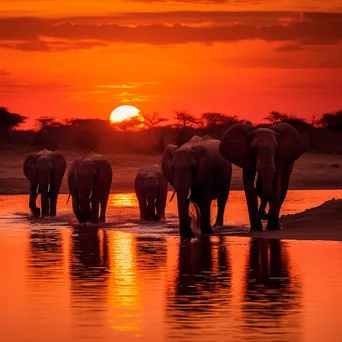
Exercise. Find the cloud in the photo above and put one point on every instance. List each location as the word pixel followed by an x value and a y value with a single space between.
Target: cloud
pixel 304 62
pixel 13 86
pixel 34 34
pixel 290 47
pixel 4 73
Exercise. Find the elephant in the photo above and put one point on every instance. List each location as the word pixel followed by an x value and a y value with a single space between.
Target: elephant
pixel 270 152
pixel 90 180
pixel 198 172
pixel 151 191
pixel 45 171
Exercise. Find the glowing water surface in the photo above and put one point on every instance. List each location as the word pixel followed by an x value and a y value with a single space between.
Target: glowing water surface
pixel 127 281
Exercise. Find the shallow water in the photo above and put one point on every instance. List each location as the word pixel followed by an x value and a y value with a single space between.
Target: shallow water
pixel 131 281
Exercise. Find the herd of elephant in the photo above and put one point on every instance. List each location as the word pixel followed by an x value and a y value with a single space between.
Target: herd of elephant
pixel 199 171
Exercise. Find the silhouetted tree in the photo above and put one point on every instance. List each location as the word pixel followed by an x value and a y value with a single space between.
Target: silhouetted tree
pixel 152 120
pixel 332 121
pixel 9 120
pixel 275 117
pixel 46 122
pixel 131 124
pixel 184 119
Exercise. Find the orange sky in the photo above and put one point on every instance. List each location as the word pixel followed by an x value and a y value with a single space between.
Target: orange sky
pixel 73 58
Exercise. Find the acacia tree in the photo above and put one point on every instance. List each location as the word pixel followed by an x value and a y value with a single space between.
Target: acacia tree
pixel 210 120
pixel 130 124
pixel 275 117
pixel 9 120
pixel 152 120
pixel 332 121
pixel 184 119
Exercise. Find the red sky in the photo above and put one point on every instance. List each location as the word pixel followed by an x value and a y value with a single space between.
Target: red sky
pixel 73 58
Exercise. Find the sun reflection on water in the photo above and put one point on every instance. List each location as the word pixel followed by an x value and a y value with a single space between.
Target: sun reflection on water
pixel 123 200
pixel 124 310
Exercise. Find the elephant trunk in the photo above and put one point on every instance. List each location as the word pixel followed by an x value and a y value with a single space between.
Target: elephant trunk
pixel 183 190
pixel 43 190
pixel 85 205
pixel 266 175
pixel 183 212
pixel 150 209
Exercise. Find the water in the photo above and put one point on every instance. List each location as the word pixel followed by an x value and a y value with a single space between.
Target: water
pixel 126 281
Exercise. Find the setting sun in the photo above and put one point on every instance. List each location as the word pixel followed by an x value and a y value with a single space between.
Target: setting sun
pixel 123 112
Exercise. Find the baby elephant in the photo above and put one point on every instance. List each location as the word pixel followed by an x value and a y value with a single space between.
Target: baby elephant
pixel 151 191
pixel 90 180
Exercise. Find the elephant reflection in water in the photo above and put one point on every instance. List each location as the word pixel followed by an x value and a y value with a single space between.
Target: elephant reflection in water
pixel 271 293
pixel 45 251
pixel 89 278
pixel 203 281
pixel 89 255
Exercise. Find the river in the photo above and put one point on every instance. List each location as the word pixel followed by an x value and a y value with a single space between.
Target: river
pixel 129 281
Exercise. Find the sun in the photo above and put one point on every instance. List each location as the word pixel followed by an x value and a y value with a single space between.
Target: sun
pixel 123 112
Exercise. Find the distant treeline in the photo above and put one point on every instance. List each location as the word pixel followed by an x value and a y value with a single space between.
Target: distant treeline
pixel 152 133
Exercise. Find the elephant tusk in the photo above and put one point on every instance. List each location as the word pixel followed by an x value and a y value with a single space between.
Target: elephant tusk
pixel 146 201
pixel 173 195
pixel 48 190
pixel 189 195
pixel 91 194
pixel 37 189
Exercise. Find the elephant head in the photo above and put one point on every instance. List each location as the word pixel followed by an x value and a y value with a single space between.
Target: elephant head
pixel 262 149
pixel 150 185
pixel 44 170
pixel 184 169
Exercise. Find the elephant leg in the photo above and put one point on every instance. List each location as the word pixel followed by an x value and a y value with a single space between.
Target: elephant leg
pixel 273 215
pixel 142 206
pixel 103 210
pixel 205 217
pixel 32 201
pixel 94 211
pixel 222 199
pixel 252 200
pixel 285 180
pixel 162 201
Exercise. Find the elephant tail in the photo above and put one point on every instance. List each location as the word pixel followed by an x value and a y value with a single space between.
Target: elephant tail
pixel 68 197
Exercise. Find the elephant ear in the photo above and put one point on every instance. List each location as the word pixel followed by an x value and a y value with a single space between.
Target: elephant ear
pixel 73 180
pixel 30 167
pixel 234 146
pixel 60 166
pixel 204 163
pixel 290 146
pixel 167 158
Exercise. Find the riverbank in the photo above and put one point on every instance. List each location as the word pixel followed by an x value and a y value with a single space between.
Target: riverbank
pixel 320 223
pixel 311 171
